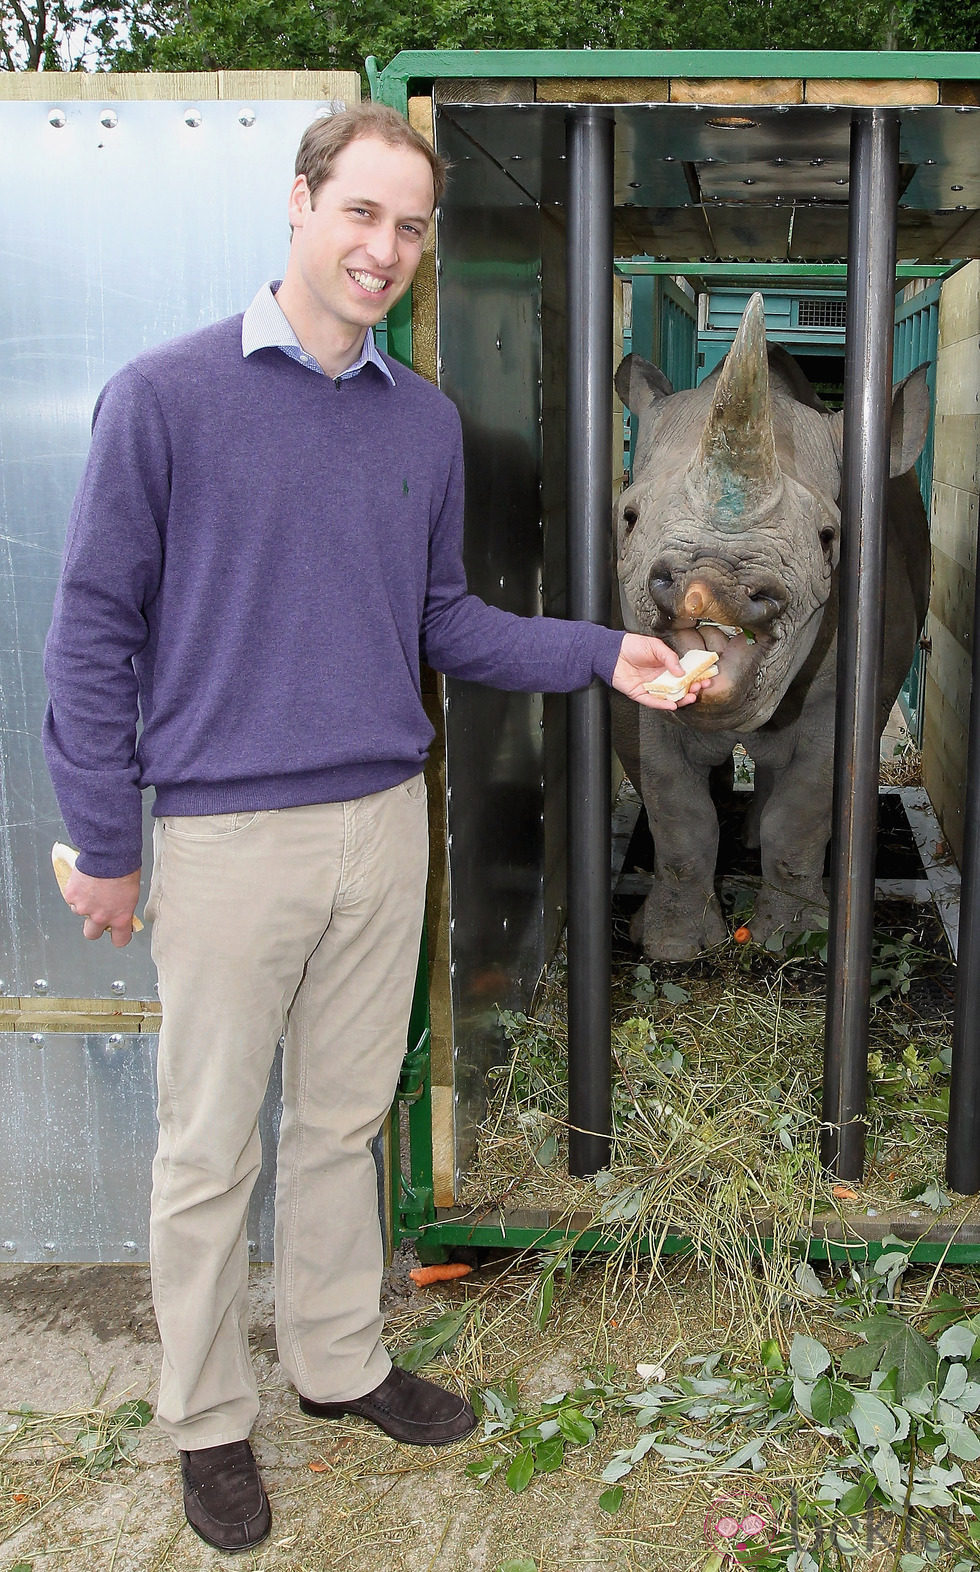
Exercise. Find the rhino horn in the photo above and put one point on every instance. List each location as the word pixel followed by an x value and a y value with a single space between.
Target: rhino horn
pixel 735 473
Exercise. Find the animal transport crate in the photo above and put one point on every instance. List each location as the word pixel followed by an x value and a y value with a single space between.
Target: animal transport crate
pixel 517 322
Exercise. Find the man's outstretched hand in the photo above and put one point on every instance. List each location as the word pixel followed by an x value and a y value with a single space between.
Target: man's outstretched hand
pixel 643 659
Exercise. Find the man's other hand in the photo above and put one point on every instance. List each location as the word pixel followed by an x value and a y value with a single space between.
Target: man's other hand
pixel 643 659
pixel 106 904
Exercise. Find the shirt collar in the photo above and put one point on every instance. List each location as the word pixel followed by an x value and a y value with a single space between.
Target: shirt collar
pixel 265 326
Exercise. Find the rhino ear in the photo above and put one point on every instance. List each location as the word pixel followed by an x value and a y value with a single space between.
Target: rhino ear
pixel 910 420
pixel 639 384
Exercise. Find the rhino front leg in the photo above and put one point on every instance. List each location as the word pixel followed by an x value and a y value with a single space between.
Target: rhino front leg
pixel 681 916
pixel 794 830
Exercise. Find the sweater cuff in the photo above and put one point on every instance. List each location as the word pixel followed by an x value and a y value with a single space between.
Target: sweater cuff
pixel 609 643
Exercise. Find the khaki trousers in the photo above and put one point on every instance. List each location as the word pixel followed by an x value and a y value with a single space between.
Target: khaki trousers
pixel 302 923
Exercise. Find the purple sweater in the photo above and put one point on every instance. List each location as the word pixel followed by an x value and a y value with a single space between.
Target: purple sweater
pixel 255 561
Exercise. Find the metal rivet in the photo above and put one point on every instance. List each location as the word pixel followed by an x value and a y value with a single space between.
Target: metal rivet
pixel 49 1247
pixel 192 117
pixel 57 118
pixel 36 1039
pixel 3 986
pixel 749 180
pixel 40 985
pixel 247 117
pixel 253 1248
pixel 114 1040
pixel 956 188
pixel 109 119
pixel 10 1246
pixel 840 180
pixel 118 986
pixel 130 1246
pixel 498 343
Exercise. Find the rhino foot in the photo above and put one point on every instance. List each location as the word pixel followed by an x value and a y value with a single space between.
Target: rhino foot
pixel 669 926
pixel 789 916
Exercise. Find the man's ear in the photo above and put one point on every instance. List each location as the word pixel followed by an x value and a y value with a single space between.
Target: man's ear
pixel 299 201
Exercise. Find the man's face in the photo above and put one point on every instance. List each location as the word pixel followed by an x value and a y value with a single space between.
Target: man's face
pixel 357 244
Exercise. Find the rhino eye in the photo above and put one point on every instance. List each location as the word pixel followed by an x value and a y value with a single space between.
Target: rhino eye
pixel 630 517
pixel 827 537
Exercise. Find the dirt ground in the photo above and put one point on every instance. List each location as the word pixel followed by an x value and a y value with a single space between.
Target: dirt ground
pixel 83 1337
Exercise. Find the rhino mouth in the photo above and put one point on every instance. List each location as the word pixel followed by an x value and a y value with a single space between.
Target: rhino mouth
pixel 741 654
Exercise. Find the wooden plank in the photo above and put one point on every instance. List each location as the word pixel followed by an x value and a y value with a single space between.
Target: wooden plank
pixel 959 306
pixel 949 667
pixel 424 312
pixel 958 378
pixel 443 1146
pixel 735 90
pixel 959 93
pixel 955 457
pixel 609 90
pixel 193 86
pixel 951 597
pixel 954 521
pixel 871 94
pixel 944 752
pixel 485 90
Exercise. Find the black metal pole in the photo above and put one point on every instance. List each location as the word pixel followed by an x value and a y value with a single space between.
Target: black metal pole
pixel 871 247
pixel 963 1128
pixel 589 160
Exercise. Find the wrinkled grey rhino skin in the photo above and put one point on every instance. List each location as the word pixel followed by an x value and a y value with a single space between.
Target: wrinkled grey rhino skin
pixel 733 519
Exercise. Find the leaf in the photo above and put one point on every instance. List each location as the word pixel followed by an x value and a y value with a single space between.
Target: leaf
pixel 807 1357
pixel 889 1474
pixel 521 1471
pixel 575 1427
pixel 770 1356
pixel 435 1338
pixel 674 993
pixel 611 1500
pixel 875 1424
pixel 619 1465
pixel 545 1297
pixel 829 1400
pixel 893 1345
pixel 547 1151
pixel 524 1565
pixel 549 1455
pixel 957 1342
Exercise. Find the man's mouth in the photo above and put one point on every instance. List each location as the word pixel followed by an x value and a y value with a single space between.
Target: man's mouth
pixel 369 281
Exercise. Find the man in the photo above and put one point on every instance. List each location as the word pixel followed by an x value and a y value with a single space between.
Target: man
pixel 266 536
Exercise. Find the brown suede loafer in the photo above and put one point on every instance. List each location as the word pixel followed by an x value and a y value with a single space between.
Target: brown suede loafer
pixel 224 1497
pixel 406 1408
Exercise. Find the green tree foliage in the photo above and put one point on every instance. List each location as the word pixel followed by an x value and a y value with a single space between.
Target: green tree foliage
pixel 944 24
pixel 173 35
pixel 55 35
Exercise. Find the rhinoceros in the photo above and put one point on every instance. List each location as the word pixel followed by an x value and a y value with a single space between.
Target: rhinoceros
pixel 729 537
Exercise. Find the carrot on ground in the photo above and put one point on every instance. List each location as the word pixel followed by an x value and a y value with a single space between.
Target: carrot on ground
pixel 742 935
pixel 424 1275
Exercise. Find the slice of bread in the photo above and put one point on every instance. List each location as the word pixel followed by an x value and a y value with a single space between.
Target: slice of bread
pixel 63 860
pixel 697 665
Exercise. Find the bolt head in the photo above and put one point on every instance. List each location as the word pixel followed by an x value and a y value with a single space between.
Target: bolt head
pixel 57 118
pixel 192 118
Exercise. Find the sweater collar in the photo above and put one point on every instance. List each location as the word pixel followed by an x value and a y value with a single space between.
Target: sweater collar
pixel 265 326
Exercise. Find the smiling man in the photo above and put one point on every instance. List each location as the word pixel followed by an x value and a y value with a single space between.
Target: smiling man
pixel 265 543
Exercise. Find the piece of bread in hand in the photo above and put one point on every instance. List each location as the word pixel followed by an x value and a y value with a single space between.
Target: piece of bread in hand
pixel 63 860
pixel 697 664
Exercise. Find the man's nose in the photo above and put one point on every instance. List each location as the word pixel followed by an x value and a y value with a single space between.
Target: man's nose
pixel 383 245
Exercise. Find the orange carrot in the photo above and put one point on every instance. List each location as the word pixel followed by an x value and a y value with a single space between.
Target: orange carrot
pixel 742 935
pixel 424 1275
pixel 843 1193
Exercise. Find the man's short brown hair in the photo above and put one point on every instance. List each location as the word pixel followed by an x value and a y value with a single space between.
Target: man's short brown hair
pixel 327 137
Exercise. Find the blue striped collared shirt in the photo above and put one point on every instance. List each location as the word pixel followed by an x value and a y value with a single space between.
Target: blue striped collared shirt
pixel 264 326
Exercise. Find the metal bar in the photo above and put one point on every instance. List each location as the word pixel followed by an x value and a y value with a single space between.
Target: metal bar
pixel 786 272
pixel 963 1127
pixel 590 135
pixel 872 228
pixel 420 66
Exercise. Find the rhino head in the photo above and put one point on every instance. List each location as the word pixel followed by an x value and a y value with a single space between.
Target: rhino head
pixel 729 536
